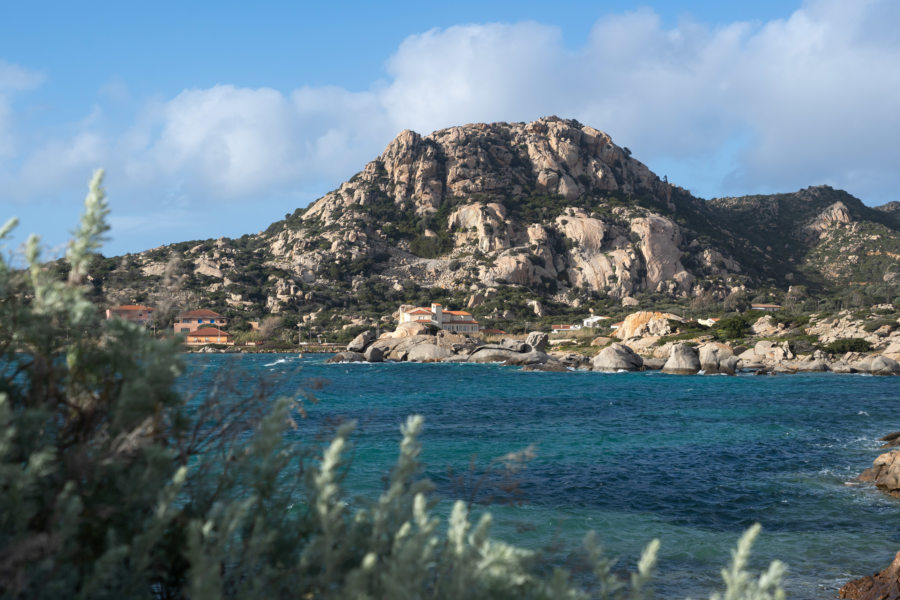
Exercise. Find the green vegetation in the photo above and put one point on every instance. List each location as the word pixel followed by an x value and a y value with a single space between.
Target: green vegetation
pixel 874 324
pixel 847 345
pixel 734 327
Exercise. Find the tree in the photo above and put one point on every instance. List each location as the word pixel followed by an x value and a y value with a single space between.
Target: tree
pixel 269 326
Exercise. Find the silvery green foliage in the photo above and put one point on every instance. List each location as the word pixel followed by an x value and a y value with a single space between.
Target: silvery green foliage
pixel 111 490
pixel 87 409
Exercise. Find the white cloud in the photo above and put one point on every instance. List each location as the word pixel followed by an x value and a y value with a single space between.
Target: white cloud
pixel 803 100
pixel 12 79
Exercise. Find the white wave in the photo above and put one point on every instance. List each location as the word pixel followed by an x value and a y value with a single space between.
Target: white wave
pixel 280 361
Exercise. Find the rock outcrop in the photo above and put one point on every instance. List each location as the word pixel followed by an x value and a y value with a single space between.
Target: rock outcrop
pixel 885 473
pixel 884 585
pixel 361 342
pixel 617 357
pixel 682 361
pixel 890 440
pixel 427 353
pixel 537 340
pixel 644 323
pixel 345 357
pixel 490 354
pixel 717 358
pixel 374 354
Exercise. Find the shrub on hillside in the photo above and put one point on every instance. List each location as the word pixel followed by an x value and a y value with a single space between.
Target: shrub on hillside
pixel 847 345
pixel 735 326
pixel 114 488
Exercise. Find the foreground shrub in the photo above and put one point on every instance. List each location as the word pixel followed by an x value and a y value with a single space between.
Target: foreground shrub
pixel 112 488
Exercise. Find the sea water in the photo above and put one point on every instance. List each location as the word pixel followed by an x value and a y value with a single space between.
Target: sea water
pixel 691 460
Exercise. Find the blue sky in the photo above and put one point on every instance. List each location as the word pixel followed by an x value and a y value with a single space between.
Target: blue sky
pixel 218 118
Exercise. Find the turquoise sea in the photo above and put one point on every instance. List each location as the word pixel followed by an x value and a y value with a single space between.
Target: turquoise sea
pixel 692 460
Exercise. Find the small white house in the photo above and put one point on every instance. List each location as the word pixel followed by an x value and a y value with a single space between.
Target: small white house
pixel 593 321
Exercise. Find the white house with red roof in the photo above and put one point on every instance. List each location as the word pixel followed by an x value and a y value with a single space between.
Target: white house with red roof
pixel 457 321
pixel 188 322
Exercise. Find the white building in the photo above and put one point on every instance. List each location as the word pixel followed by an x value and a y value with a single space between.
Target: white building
pixel 593 321
pixel 457 321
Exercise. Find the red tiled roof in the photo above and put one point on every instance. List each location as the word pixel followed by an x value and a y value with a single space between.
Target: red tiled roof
pixel 418 311
pixel 461 313
pixel 209 332
pixel 461 323
pixel 200 313
pixel 132 307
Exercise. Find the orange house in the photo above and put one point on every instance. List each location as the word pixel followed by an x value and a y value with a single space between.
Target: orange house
pixel 209 335
pixel 188 322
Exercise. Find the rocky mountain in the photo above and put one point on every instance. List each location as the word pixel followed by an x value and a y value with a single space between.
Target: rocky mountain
pixel 520 216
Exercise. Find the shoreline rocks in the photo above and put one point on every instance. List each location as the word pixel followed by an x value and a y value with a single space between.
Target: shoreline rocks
pixel 885 473
pixel 413 342
pixel 884 585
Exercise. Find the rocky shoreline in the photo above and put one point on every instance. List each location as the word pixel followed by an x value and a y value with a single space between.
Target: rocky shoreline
pixel 885 474
pixel 412 342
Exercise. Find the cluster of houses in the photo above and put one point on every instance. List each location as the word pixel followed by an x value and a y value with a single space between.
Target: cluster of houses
pixel 200 327
pixel 203 326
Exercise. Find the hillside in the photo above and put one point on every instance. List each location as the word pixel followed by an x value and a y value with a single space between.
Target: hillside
pixel 502 216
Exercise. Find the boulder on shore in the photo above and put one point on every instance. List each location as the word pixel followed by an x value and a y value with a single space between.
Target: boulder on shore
pixel 374 354
pixel 528 358
pixel 882 365
pixel 404 330
pixel 810 366
pixel 891 440
pixel 487 354
pixel 361 342
pixel 717 358
pixel 884 585
pixel 514 345
pixel 682 361
pixel 538 340
pixel 617 357
pixel 571 360
pixel 342 357
pixel 549 366
pixel 885 473
pixel 653 363
pixel 877 365
pixel 428 353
